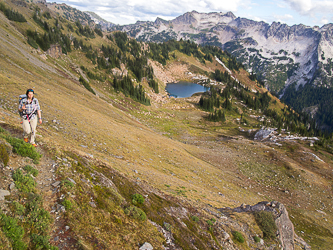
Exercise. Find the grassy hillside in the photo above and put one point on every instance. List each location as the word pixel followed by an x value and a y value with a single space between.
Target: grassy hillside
pixel 105 148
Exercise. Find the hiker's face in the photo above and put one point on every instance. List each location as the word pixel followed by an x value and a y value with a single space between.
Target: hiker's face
pixel 30 95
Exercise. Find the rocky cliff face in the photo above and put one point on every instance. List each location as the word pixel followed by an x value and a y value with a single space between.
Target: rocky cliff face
pixel 285 232
pixel 279 54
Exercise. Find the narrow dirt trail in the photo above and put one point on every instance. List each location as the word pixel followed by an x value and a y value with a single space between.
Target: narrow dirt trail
pixel 47 185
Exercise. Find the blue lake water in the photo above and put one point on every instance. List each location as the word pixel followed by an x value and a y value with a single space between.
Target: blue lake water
pixel 184 89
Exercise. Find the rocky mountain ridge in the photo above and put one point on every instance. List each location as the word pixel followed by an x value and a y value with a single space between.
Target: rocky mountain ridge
pixel 100 21
pixel 297 52
pixel 281 56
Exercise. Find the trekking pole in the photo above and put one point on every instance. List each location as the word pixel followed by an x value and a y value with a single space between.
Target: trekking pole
pixel 32 131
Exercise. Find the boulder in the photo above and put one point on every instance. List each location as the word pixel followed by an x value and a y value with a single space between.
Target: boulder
pixel 285 227
pixel 262 134
pixel 3 193
pixel 60 208
pixel 146 246
pixel 11 186
pixel 56 184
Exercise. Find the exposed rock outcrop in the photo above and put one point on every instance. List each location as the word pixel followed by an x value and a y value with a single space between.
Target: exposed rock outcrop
pixel 286 233
pixel 262 134
pixel 54 51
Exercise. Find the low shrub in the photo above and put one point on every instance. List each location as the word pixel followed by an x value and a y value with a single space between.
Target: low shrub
pixel 167 226
pixel 238 236
pixel 256 239
pixel 86 85
pixel 32 43
pixel 137 199
pixel 4 157
pixel 13 232
pixel 30 170
pixel 136 213
pixel 67 204
pixel 195 218
pixel 67 184
pixel 24 183
pixel 19 209
pixel 4 242
pixel 266 222
pixel 211 222
pixel 41 242
pixel 23 149
pixel 37 217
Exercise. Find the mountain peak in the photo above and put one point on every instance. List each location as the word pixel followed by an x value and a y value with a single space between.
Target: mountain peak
pixel 160 21
pixel 197 19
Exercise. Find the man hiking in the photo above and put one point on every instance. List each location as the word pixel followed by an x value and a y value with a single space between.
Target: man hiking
pixel 28 108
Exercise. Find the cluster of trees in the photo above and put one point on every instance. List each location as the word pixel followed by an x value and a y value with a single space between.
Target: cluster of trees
pixel 112 55
pixel 121 39
pixel 86 85
pixel 295 122
pixel 93 76
pixel 213 101
pixel 292 121
pixel 12 14
pixel 222 77
pixel 260 101
pixel 229 60
pixel 218 99
pixel 126 86
pixel 309 95
pixel 84 31
pixel 254 77
pixel 154 85
pixel 52 35
pixel 217 116
pixel 138 66
pixel 160 51
pixel 45 40
pixel 47 15
pixel 39 21
pixel 98 32
pixel 136 61
pixel 150 78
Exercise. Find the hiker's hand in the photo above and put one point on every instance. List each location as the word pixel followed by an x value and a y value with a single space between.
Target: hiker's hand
pixel 23 107
pixel 40 121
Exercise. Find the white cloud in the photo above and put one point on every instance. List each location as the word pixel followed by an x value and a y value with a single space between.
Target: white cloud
pixel 324 20
pixel 130 11
pixel 256 18
pixel 311 7
pixel 224 5
pixel 127 11
pixel 284 18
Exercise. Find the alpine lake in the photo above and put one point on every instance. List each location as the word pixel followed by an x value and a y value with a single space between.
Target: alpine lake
pixel 184 89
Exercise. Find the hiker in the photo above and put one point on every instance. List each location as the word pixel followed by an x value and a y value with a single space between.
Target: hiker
pixel 28 108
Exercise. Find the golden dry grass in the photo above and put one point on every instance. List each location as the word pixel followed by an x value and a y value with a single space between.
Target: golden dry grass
pixel 171 146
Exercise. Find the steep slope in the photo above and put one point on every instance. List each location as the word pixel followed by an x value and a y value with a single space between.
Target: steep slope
pixel 186 167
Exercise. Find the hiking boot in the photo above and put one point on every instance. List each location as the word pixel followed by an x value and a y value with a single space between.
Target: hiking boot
pixel 26 140
pixel 35 145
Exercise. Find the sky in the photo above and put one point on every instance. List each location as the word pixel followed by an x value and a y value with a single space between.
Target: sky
pixel 307 12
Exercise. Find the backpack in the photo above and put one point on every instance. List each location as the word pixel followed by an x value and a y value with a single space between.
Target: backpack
pixel 23 99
